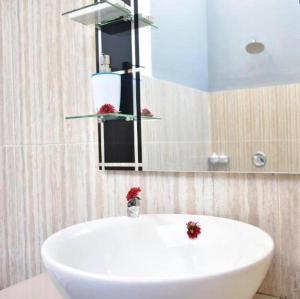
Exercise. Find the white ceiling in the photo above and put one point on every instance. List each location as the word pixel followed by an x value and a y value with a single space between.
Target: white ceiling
pixel 209 38
pixel 234 23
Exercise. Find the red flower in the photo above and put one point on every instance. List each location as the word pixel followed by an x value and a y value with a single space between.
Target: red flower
pixel 193 229
pixel 133 193
pixel 146 112
pixel 106 108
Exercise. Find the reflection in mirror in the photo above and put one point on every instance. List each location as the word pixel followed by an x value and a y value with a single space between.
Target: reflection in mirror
pixel 224 77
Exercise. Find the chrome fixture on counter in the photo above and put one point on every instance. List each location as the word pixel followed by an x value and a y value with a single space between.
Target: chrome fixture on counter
pixel 133 208
pixel 218 159
pixel 133 202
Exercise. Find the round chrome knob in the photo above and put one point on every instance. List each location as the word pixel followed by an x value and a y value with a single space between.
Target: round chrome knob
pixel 259 159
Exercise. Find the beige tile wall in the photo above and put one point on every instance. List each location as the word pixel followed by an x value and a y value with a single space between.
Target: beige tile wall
pixel 258 119
pixel 237 123
pixel 49 177
pixel 167 144
pixel 43 57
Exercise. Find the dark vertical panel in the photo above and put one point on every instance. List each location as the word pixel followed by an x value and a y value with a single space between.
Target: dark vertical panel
pixel 116 41
pixel 97 70
pixel 97 50
pixel 139 123
pixel 119 141
pixel 126 94
pixel 119 135
pixel 138 91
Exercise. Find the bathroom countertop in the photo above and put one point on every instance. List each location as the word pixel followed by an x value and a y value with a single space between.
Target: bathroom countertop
pixel 41 287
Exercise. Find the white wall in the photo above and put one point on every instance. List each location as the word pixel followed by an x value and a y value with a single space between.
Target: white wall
pixel 179 46
pixel 201 43
pixel 233 23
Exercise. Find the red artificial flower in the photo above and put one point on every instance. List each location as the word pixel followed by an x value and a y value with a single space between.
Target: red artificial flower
pixel 106 108
pixel 146 112
pixel 133 193
pixel 193 229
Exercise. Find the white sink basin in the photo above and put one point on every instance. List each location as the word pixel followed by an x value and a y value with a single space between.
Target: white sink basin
pixel 151 257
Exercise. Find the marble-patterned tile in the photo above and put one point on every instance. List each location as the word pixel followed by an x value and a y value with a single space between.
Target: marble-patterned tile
pixel 66 184
pixel 47 61
pixel 252 199
pixel 162 192
pixel 7 102
pixel 17 204
pixel 4 281
pixel 289 197
pixel 167 145
pixel 46 185
pixel 54 186
pixel 46 188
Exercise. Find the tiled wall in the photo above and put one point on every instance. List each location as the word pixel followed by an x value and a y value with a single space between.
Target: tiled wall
pixel 194 124
pixel 180 140
pixel 45 63
pixel 49 177
pixel 263 119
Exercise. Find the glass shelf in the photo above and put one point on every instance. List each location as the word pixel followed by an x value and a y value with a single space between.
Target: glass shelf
pixel 101 12
pixel 113 116
pixel 132 70
pixel 143 21
pixel 146 21
pixel 106 12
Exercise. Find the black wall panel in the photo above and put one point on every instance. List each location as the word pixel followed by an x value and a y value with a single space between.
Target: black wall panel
pixel 116 40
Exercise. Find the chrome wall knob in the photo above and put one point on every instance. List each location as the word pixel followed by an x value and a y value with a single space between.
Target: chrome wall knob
pixel 259 159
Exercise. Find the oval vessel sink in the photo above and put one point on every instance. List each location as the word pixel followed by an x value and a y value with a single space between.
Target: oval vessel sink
pixel 151 257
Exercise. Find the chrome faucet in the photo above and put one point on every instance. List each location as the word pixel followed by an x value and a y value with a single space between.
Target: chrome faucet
pixel 133 207
pixel 133 202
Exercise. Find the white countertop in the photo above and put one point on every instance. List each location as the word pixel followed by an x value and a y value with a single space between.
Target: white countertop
pixel 41 287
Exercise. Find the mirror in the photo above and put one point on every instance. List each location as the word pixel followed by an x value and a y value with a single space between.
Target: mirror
pixel 224 77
